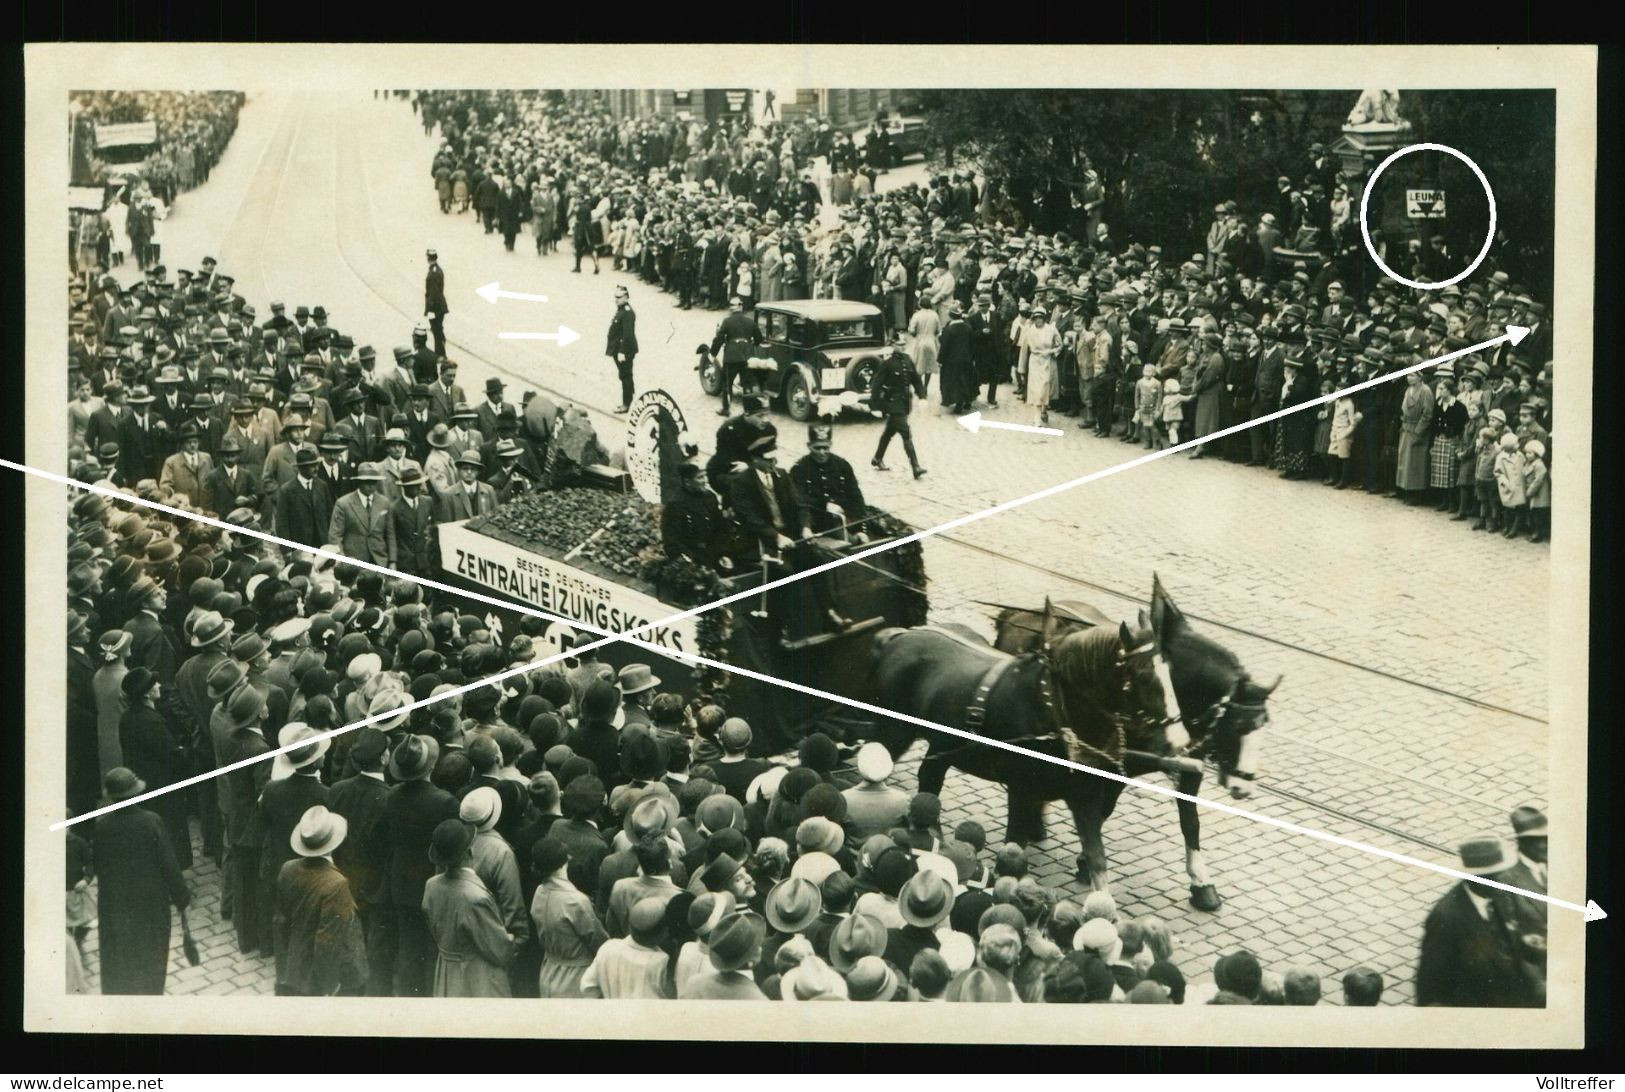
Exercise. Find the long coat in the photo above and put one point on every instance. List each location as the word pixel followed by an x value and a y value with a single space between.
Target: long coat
pixel 1415 416
pixel 475 948
pixel 1209 393
pixel 157 757
pixel 415 537
pixel 1467 961
pixel 363 856
pixel 958 368
pixel 320 947
pixel 138 881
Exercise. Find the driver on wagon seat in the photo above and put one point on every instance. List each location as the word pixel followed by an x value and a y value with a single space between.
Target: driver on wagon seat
pixel 773 513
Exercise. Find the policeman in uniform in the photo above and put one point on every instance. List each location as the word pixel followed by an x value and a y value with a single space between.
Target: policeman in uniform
pixel 737 339
pixel 734 438
pixel 829 486
pixel 434 302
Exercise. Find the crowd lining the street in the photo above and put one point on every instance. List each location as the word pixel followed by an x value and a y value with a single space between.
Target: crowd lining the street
pixel 1133 344
pixel 578 831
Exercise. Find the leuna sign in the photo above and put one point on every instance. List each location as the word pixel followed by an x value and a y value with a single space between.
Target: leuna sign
pixel 1424 204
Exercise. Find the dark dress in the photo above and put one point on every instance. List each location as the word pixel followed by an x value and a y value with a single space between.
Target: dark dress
pixel 1295 434
pixel 157 757
pixel 138 881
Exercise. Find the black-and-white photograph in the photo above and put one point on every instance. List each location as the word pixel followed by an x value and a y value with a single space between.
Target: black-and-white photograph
pixel 1072 545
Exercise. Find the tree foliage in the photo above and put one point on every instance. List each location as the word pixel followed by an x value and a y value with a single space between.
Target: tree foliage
pixel 1167 157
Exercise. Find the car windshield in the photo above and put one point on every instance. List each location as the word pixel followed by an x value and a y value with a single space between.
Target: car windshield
pixel 866 329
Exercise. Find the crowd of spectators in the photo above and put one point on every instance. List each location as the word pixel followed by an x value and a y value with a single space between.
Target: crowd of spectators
pixel 1134 344
pixel 193 129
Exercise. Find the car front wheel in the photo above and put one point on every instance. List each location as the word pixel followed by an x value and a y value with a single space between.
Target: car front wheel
pixel 710 376
pixel 798 400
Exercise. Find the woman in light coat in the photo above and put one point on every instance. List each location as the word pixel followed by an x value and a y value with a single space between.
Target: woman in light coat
pixel 474 945
pixel 1415 419
pixel 1042 342
pixel 1346 417
pixel 923 331
pixel 568 931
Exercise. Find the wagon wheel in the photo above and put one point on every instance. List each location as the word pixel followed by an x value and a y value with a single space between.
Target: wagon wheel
pixel 798 401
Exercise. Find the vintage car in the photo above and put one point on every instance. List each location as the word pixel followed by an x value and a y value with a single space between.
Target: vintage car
pixel 908 136
pixel 819 356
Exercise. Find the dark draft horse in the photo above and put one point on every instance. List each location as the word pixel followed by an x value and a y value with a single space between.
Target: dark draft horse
pixel 1219 707
pixel 1095 696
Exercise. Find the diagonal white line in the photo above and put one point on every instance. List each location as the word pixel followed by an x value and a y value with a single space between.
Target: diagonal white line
pixel 1513 334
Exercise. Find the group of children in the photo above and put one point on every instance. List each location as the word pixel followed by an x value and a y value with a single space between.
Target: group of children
pixel 1513 487
pixel 1159 410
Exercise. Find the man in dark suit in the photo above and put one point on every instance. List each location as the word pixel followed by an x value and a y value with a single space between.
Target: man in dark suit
pixel 421 419
pixel 337 470
pixel 621 346
pixel 141 438
pixel 363 857
pixel 106 424
pixel 984 351
pixel 304 507
pixel 773 513
pixel 444 394
pixel 364 432
pixel 490 410
pixel 434 302
pixel 414 808
pixel 232 485
pixel 414 524
pixel 1470 954
pixel 1529 873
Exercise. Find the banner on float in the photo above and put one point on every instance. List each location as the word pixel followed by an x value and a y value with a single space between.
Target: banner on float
pixel 126 134
pixel 561 589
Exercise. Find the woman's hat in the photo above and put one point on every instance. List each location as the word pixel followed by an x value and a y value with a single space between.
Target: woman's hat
pixel 319 832
pixel 817 834
pixel 136 684
pixel 925 899
pixel 735 939
pixel 121 783
pixel 874 762
pixel 114 641
pixel 793 905
pixel 450 841
pixel 708 910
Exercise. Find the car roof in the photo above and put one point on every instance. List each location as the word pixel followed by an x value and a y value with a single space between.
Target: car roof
pixel 823 310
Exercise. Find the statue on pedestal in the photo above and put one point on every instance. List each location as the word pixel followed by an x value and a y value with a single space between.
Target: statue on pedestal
pixel 1377 109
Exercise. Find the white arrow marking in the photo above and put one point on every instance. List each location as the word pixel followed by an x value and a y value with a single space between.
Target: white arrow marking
pixel 974 422
pixel 564 337
pixel 492 292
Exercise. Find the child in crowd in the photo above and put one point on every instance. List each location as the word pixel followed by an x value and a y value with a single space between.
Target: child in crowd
pixel 1147 401
pixel 1346 417
pixel 1172 413
pixel 1323 434
pixel 1537 487
pixel 1509 484
pixel 1489 516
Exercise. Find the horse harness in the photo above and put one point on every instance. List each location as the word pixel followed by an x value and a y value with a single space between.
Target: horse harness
pixel 1055 705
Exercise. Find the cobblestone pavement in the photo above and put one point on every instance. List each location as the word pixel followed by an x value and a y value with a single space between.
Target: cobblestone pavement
pixel 1408 718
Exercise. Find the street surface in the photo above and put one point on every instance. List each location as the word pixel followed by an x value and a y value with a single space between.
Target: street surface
pixel 1412 711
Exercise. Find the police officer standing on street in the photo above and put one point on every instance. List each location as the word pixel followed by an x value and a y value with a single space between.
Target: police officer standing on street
pixel 434 302
pixel 737 338
pixel 622 345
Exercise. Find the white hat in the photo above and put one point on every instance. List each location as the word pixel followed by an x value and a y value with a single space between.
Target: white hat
pixel 874 762
pixel 482 807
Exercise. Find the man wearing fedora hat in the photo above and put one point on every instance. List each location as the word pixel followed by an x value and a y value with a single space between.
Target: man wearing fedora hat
pixel 1471 953
pixel 732 949
pixel 137 881
pixel 1529 873
pixel 152 641
pixel 362 524
pixel 467 496
pixel 295 786
pixel 414 810
pixel 319 942
pixel 141 438
pixel 415 541
pixel 637 685
pixel 364 856
pixel 304 505
pixel 186 471
pixel 490 410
